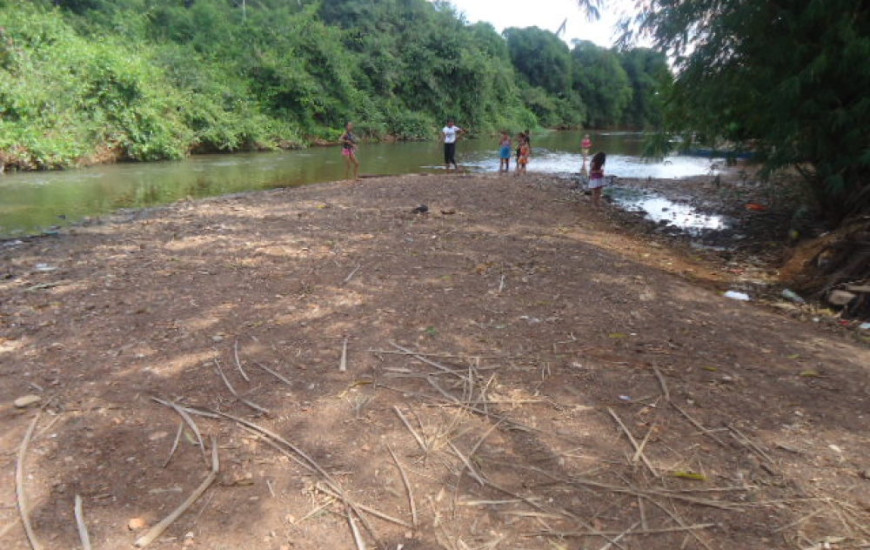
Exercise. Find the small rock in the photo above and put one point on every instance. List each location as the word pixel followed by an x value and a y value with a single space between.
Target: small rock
pixel 137 524
pixel 26 401
pixel 157 435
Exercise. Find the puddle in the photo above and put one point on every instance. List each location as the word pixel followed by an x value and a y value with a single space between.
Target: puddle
pixel 660 209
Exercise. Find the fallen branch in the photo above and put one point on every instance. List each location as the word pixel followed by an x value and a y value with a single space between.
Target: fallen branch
pixel 620 537
pixel 356 507
pixel 187 419
pixel 467 463
pixel 19 485
pixel 239 362
pixel 357 538
pixel 698 425
pixel 158 529
pixel 620 534
pixel 638 449
pixel 342 364
pixel 352 273
pixel 407 487
pixel 752 446
pixel 662 383
pixel 303 459
pixel 80 523
pixel 435 364
pixel 277 375
pixel 174 444
pixel 235 393
pixel 411 429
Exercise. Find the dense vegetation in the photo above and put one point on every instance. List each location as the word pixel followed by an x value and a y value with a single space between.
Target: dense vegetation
pixel 787 78
pixel 94 80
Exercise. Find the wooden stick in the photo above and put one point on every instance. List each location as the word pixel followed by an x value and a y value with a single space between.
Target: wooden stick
pixel 749 443
pixel 662 383
pixel 342 364
pixel 411 429
pixel 639 451
pixel 186 417
pixel 439 355
pixel 158 529
pixel 633 441
pixel 277 375
pixel 80 523
pixel 174 444
pixel 357 538
pixel 620 536
pixel 303 459
pixel 654 531
pixel 435 364
pixel 235 393
pixel 352 273
pixel 239 362
pixel 698 425
pixel 467 463
pixel 19 485
pixel 357 507
pixel 407 487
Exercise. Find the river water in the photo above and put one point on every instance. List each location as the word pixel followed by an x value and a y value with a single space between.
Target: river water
pixel 36 202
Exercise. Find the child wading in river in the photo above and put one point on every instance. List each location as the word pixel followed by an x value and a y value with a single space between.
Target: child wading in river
pixel 504 153
pixel 596 177
pixel 348 150
pixel 525 152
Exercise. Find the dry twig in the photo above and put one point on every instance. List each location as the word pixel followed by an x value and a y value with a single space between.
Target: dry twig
pixel 187 419
pixel 80 523
pixel 698 425
pixel 19 485
pixel 357 538
pixel 342 364
pixel 235 393
pixel 277 375
pixel 662 383
pixel 411 429
pixel 407 487
pixel 638 449
pixel 239 362
pixel 158 529
pixel 174 444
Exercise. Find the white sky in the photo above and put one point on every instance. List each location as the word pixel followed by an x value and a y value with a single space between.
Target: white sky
pixel 547 15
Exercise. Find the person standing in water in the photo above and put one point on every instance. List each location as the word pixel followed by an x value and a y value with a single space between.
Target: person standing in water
pixel 596 177
pixel 449 134
pixel 504 152
pixel 585 147
pixel 525 153
pixel 348 150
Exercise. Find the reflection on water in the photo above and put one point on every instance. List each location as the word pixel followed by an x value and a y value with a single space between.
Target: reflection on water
pixel 662 210
pixel 33 202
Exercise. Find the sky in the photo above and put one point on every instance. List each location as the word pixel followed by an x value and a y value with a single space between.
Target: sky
pixel 547 15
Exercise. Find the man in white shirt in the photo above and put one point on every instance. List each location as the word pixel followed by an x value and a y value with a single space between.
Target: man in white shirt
pixel 448 136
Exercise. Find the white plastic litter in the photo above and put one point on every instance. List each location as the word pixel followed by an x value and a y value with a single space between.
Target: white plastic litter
pixel 734 295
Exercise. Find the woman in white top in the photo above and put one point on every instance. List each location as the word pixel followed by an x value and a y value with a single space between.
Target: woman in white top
pixel 448 136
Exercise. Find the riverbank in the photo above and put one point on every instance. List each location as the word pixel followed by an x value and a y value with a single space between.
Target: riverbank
pixel 472 374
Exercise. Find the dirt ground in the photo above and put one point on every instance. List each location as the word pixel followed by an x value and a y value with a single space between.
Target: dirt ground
pixel 511 370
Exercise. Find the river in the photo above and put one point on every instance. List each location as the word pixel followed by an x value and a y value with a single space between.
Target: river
pixel 36 202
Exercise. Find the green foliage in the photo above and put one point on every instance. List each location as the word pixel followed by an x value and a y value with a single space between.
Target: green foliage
pixel 788 78
pixel 601 82
pixel 97 80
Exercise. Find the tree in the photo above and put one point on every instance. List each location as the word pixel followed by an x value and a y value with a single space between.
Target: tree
pixel 650 78
pixel 602 83
pixel 541 57
pixel 788 76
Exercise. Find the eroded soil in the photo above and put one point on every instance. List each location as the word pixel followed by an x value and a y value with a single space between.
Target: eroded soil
pixel 512 370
